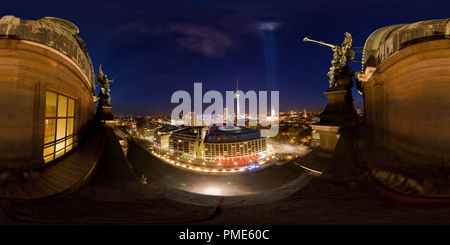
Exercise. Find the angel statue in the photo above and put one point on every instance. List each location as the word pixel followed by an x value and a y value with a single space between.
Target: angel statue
pixel 102 80
pixel 340 69
pixel 342 54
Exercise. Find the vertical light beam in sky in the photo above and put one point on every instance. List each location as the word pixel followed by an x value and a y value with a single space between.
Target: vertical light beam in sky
pixel 268 32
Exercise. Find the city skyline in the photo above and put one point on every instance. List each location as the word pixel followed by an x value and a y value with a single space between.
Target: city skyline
pixel 154 48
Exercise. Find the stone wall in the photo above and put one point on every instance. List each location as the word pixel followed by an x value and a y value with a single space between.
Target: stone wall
pixel 407 101
pixel 417 95
pixel 28 69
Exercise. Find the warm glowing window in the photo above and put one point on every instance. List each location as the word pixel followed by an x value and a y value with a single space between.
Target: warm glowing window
pixel 60 134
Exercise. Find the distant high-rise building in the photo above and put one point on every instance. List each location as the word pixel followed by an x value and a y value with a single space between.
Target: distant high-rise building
pixel 225 114
pixel 305 115
pixel 238 115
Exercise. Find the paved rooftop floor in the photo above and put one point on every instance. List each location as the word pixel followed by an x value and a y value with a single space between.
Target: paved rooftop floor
pixel 69 173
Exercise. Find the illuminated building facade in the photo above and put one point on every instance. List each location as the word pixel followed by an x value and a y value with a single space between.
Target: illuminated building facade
pixel 186 142
pixel 162 137
pixel 234 145
pixel 219 145
pixel 47 93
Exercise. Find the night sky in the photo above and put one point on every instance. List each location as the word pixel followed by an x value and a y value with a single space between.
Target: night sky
pixel 153 48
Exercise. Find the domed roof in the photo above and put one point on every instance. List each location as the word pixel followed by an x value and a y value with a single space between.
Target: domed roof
pixel 374 41
pixel 54 32
pixel 387 40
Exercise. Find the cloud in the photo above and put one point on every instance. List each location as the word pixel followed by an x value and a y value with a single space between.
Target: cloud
pixel 201 39
pixel 192 37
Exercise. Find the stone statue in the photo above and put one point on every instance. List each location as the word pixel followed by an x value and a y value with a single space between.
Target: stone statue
pixel 340 101
pixel 342 54
pixel 102 80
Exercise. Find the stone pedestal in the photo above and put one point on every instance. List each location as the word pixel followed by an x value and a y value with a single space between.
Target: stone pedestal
pixel 106 113
pixel 103 112
pixel 339 108
pixel 108 117
pixel 103 115
pixel 338 113
pixel 328 138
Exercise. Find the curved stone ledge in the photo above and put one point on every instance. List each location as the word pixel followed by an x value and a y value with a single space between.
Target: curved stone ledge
pixel 52 32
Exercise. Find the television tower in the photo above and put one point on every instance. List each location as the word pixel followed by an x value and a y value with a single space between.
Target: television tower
pixel 237 96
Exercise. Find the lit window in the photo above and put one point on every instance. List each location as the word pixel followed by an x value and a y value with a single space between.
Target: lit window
pixel 60 134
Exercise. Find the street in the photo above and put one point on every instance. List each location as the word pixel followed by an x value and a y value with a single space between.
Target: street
pixel 154 169
pixel 277 147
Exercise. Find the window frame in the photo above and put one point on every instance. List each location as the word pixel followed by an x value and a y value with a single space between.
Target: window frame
pixel 61 141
